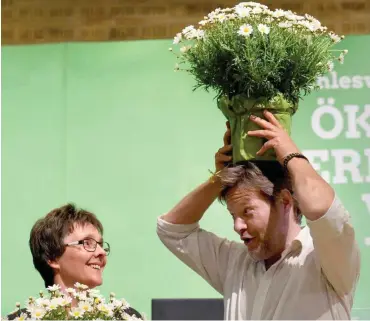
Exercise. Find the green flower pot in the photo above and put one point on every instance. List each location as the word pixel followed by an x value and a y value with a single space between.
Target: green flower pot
pixel 238 110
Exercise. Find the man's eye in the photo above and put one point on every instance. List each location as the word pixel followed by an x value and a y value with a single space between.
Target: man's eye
pixel 247 213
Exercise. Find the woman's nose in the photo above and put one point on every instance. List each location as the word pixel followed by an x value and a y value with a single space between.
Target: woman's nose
pixel 99 250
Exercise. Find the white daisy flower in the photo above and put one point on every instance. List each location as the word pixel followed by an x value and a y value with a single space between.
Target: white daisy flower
pixel 341 58
pixel 312 19
pixel 53 288
pixel 187 29
pixel 184 49
pixel 65 300
pixel 203 22
pixel 316 24
pixel 81 296
pixel 253 4
pixel 306 24
pixel 125 304
pixel 290 15
pixel 106 309
pixel 221 17
pixel 117 303
pixel 257 10
pixel 80 286
pixel 263 29
pixel 268 12
pixel 227 10
pixel 54 303
pixel 177 38
pixel 71 291
pixel 285 24
pixel 269 19
pixel 200 34
pixel 93 293
pixel 330 65
pixel 212 15
pixel 309 17
pixel 191 34
pixel 242 11
pixel 85 306
pixel 76 313
pixel 245 30
pixel 334 37
pixel 278 13
pixel 37 313
pixel 42 302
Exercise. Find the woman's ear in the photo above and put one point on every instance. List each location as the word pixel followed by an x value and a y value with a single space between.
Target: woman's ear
pixel 54 264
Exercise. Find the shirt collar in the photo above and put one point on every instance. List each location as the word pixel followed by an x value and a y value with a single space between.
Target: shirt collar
pixel 302 240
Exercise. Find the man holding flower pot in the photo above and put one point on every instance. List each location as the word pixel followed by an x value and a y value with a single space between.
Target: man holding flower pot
pixel 260 63
pixel 280 270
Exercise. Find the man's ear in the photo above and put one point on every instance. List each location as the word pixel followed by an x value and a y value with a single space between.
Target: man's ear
pixel 286 199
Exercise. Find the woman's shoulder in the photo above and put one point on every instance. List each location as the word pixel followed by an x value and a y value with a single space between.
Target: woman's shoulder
pixel 17 314
pixel 132 312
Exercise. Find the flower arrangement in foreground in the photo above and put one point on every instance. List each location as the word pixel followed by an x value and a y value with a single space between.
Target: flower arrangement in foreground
pixel 255 58
pixel 90 305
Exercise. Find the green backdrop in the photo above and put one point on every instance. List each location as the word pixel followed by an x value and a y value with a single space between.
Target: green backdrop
pixel 111 127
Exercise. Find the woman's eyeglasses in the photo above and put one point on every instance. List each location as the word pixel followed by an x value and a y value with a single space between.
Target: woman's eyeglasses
pixel 90 245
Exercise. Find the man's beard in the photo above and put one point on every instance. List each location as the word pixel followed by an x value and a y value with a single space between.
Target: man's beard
pixel 260 253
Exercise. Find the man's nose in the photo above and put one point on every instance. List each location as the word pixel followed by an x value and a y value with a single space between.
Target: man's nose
pixel 239 225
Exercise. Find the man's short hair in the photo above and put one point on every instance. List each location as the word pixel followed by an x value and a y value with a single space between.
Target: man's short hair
pixel 48 233
pixel 267 177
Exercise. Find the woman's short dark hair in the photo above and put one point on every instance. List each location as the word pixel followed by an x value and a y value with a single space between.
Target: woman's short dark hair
pixel 48 233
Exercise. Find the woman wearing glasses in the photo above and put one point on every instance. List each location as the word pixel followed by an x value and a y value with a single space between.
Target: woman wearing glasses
pixel 67 247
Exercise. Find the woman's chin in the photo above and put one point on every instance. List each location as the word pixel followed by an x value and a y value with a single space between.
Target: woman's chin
pixel 95 283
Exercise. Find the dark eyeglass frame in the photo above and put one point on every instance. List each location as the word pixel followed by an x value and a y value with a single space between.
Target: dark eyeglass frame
pixel 103 245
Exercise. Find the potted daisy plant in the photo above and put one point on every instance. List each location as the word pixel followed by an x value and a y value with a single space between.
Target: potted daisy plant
pixel 254 58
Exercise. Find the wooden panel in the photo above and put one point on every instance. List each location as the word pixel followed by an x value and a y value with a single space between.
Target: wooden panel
pixel 45 21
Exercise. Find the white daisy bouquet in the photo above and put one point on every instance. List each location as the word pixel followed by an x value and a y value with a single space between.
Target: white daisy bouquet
pixel 255 59
pixel 89 305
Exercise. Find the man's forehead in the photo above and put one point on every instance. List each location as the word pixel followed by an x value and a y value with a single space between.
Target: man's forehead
pixel 240 196
pixel 240 193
